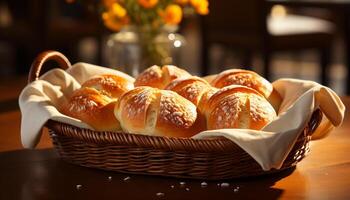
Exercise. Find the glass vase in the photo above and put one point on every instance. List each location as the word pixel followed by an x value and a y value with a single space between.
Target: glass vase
pixel 134 49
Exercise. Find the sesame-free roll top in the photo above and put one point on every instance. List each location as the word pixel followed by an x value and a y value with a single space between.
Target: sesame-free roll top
pixel 238 107
pixel 146 110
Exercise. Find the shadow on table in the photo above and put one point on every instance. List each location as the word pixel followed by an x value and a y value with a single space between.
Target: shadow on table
pixel 40 174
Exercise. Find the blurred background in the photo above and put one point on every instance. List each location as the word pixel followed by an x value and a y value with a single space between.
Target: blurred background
pixel 306 39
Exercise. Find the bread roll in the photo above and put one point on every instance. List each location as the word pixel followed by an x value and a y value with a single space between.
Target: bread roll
pixel 249 79
pixel 157 77
pixel 94 102
pixel 151 111
pixel 238 107
pixel 191 88
pixel 194 89
pixel 111 85
pixel 92 107
pixel 205 98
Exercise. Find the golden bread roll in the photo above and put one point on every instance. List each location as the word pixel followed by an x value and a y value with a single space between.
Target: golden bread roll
pixel 111 85
pixel 157 77
pixel 194 89
pixel 238 107
pixel 151 111
pixel 94 102
pixel 249 79
pixel 205 98
pixel 92 107
pixel 191 88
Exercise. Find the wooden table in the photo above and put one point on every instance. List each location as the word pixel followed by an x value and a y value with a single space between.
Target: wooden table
pixel 341 7
pixel 40 174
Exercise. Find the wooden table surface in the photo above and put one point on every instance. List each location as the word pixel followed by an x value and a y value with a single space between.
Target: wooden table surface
pixel 40 174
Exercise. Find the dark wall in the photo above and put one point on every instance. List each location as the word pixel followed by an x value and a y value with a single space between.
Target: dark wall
pixel 28 27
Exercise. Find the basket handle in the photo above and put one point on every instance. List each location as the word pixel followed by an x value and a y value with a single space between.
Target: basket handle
pixel 43 57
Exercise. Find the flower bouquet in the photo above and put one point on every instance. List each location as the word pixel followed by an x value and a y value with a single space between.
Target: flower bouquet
pixel 144 31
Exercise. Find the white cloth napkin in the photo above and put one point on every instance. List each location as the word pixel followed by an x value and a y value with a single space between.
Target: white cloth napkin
pixel 38 100
pixel 269 147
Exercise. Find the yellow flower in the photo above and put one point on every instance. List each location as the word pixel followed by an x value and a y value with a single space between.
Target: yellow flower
pixel 172 14
pixel 147 3
pixel 201 6
pixel 115 17
pixel 113 23
pixel 118 10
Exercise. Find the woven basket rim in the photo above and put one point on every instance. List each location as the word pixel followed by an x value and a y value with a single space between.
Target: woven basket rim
pixel 215 144
pixel 218 144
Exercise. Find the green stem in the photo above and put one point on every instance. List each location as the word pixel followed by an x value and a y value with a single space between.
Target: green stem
pixel 153 53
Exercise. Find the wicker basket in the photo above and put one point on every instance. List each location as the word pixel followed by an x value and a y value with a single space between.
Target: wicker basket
pixel 210 159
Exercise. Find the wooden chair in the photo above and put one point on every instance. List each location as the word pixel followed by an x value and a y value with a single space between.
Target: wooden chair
pixel 246 26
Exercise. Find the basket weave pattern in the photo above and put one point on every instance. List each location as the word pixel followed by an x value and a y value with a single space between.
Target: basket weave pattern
pixel 210 159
